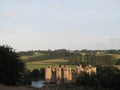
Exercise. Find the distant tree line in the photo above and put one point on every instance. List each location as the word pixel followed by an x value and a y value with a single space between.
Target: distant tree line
pixel 112 51
pixel 63 51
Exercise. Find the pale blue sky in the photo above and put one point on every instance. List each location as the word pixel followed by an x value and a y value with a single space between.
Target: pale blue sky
pixel 56 24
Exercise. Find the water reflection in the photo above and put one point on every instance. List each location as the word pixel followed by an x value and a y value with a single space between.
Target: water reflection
pixel 38 84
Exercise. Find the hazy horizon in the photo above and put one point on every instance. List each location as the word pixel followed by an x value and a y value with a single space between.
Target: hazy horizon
pixel 60 24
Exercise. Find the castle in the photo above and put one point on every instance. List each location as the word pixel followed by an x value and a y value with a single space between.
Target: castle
pixel 64 74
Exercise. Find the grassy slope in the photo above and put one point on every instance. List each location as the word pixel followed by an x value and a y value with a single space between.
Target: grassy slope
pixel 45 63
pixel 42 63
pixel 35 55
pixel 54 62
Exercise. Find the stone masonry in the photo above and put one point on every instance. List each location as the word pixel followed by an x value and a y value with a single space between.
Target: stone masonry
pixel 64 74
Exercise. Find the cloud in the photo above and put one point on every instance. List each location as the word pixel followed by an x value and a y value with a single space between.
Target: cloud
pixel 10 14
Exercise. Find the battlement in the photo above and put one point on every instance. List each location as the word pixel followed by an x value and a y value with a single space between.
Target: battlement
pixel 64 74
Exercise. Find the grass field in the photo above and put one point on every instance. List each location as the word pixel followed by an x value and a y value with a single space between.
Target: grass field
pixel 35 55
pixel 54 62
pixel 45 63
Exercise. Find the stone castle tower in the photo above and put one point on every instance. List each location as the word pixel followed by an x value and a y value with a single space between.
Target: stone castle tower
pixel 48 74
pixel 64 74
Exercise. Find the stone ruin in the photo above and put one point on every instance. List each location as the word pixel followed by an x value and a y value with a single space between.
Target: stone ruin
pixel 64 74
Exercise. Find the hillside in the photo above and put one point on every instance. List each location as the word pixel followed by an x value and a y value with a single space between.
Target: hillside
pixel 40 59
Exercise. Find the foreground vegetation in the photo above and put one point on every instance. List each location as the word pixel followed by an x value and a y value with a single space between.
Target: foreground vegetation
pixel 2 87
pixel 63 87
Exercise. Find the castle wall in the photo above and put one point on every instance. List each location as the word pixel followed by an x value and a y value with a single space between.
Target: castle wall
pixel 64 74
pixel 58 75
pixel 48 75
pixel 69 77
pixel 94 70
pixel 79 69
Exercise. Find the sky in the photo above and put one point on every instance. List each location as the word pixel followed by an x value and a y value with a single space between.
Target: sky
pixel 58 24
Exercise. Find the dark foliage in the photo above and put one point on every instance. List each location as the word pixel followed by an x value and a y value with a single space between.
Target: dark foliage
pixel 118 62
pixel 99 60
pixel 35 75
pixel 112 51
pixel 106 77
pixel 11 67
pixel 74 59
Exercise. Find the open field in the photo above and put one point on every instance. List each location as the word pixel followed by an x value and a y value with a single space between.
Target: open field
pixel 28 56
pixel 53 62
pixel 45 63
pixel 35 63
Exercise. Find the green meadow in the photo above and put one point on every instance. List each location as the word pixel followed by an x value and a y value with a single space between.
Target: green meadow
pixel 39 60
pixel 45 63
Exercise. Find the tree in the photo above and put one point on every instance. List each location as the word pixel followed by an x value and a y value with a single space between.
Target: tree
pixel 11 67
pixel 109 77
pixel 83 78
pixel 35 75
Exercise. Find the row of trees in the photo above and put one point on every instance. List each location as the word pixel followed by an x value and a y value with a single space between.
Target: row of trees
pixel 100 60
pixel 92 59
